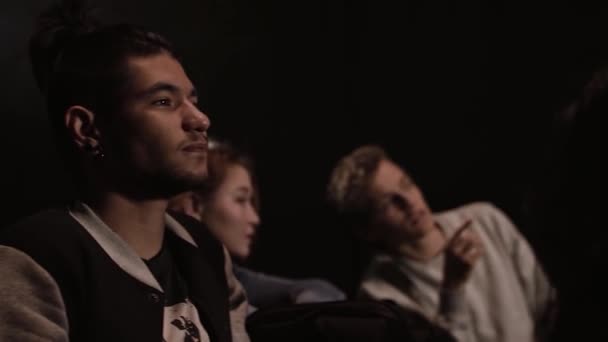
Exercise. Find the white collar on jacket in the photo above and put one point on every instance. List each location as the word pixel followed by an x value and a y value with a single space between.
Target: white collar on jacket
pixel 118 250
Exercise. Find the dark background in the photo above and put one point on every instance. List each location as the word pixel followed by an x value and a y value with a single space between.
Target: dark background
pixel 463 94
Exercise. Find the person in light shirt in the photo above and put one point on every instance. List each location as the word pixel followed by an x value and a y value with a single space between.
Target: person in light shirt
pixel 127 121
pixel 467 269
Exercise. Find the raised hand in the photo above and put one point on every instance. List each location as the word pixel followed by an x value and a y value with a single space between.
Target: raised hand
pixel 461 253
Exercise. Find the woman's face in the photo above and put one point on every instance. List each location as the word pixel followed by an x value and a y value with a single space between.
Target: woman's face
pixel 230 213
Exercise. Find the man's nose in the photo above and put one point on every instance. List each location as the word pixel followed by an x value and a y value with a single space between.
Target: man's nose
pixel 196 120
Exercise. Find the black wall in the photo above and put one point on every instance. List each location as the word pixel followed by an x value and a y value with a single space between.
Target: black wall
pixel 462 93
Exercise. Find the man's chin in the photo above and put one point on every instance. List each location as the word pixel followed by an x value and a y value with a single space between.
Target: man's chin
pixel 169 187
pixel 189 182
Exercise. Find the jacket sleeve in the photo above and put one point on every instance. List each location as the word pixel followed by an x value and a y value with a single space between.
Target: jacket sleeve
pixel 237 301
pixel 31 306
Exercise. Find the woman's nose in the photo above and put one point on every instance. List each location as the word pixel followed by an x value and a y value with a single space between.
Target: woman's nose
pixel 254 218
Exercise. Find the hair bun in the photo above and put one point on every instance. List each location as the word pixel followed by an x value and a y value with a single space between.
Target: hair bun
pixel 55 29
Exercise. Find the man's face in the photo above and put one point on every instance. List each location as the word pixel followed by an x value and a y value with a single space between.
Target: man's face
pixel 158 143
pixel 400 211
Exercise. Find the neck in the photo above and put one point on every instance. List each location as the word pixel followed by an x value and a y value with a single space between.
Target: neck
pixel 423 247
pixel 140 223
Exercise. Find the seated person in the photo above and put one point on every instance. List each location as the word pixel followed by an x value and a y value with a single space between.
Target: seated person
pixel 467 269
pixel 227 203
pixel 113 266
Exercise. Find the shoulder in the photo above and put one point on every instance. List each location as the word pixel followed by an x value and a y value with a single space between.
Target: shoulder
pixel 484 215
pixel 22 275
pixel 44 234
pixel 488 220
pixel 55 241
pixel 13 260
pixel 476 211
pixel 198 230
pixel 45 224
pixel 28 288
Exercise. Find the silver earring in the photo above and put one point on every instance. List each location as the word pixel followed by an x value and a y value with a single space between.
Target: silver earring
pixel 96 151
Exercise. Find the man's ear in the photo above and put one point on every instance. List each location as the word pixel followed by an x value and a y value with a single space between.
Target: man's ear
pixel 82 127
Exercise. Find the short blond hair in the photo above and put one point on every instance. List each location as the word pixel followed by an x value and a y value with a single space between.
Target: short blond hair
pixel 348 188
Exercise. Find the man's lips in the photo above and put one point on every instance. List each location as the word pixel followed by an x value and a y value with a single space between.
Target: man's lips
pixel 196 147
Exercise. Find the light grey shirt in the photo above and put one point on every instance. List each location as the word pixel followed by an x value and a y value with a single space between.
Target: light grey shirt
pixel 507 297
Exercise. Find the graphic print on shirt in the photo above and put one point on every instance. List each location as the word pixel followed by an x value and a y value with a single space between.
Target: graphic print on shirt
pixel 192 334
pixel 181 323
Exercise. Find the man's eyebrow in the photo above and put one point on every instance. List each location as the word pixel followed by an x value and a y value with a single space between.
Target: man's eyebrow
pixel 158 87
pixel 164 86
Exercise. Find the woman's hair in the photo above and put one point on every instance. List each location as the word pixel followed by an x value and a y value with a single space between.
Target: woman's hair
pixel 222 156
pixel 76 61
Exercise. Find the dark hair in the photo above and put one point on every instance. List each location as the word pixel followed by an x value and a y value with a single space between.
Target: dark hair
pixel 76 61
pixel 222 156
